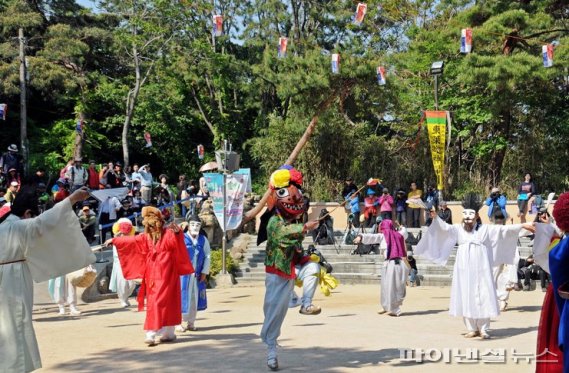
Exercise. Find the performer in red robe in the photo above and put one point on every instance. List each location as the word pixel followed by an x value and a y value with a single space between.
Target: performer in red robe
pixel 159 257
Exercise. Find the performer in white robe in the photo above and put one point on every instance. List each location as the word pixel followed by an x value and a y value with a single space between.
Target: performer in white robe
pixel 194 285
pixel 480 248
pixel 394 271
pixel 117 283
pixel 37 248
pixel 63 292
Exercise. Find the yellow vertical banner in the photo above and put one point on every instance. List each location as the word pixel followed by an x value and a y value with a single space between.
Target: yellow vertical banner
pixel 436 127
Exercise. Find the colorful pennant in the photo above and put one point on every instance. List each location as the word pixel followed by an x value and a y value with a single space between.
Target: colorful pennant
pixel 547 52
pixel 201 151
pixel 283 42
pixel 436 126
pixel 3 111
pixel 381 75
pixel 360 13
pixel 217 25
pixel 148 139
pixel 466 40
pixel 335 63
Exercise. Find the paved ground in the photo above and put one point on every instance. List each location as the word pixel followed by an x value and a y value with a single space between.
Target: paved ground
pixel 349 335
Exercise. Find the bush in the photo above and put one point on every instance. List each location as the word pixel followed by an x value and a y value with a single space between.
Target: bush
pixel 215 267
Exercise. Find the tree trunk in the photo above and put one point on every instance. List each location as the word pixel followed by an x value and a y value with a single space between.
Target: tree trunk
pixel 130 105
pixel 79 136
pixel 251 214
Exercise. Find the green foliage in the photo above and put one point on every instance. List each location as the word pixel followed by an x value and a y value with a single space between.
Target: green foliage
pixel 216 263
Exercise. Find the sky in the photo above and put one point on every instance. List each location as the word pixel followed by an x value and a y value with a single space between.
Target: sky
pixel 86 3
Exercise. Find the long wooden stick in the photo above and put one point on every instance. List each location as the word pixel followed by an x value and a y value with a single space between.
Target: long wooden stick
pixel 251 214
pixel 341 204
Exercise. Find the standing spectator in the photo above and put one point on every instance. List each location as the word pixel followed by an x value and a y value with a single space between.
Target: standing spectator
pixel 103 176
pixel 109 210
pixel 414 209
pixel 181 185
pixel 525 191
pixel 401 207
pixel 386 205
pixel 63 171
pixel 445 213
pixel 496 203
pixel 354 203
pixel 146 183
pixel 370 208
pixel 128 177
pixel 349 187
pixel 11 159
pixel 116 178
pixel 431 201
pixel 204 191
pixel 93 176
pixel 76 175
pixel 12 192
pixel 135 177
pixel 88 220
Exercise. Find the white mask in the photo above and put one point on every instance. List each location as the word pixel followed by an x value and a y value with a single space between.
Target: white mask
pixel 194 228
pixel 468 215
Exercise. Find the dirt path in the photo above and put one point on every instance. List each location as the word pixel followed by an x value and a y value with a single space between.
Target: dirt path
pixel 349 335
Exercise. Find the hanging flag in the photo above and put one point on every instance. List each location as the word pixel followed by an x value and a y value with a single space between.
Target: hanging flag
pixel 3 111
pixel 201 151
pixel 381 75
pixel 335 63
pixel 466 40
pixel 148 139
pixel 80 126
pixel 217 25
pixel 282 47
pixel 547 52
pixel 360 13
pixel 436 126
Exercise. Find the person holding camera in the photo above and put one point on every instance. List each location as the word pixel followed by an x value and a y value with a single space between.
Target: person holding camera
pixel 386 205
pixel 401 207
pixel 354 204
pixel 496 203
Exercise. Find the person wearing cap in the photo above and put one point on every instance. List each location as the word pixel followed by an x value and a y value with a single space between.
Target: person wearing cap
pixel 386 205
pixel 13 175
pixel 76 175
pixel 194 285
pixel 116 178
pixel 146 183
pixel 62 190
pixel 11 159
pixel 87 219
pixel 12 192
pixel 34 248
pixel 496 203
pixel 117 283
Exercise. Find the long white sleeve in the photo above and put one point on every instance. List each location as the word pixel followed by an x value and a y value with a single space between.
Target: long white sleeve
pixel 438 241
pixel 207 259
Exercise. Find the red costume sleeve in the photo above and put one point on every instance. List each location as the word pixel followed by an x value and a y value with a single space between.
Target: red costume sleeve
pixel 183 263
pixel 132 252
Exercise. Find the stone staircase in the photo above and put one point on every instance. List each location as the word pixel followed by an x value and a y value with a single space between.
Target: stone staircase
pixel 356 269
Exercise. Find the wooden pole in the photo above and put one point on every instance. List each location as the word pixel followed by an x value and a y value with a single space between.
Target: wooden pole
pixel 23 106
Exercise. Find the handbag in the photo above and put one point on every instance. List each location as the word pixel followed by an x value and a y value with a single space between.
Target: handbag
pixel 84 277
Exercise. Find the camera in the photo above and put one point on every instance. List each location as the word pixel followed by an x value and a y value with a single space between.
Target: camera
pixel 494 195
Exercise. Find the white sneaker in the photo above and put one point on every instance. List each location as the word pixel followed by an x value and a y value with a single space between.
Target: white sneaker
pixel 62 310
pixel 74 311
pixel 272 361
pixel 503 305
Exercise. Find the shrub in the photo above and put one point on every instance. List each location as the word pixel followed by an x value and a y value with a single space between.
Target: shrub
pixel 215 267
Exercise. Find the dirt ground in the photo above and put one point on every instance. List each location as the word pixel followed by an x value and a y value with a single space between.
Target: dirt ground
pixel 349 335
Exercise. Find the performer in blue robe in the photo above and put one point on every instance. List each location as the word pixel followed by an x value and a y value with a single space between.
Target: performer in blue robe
pixel 194 286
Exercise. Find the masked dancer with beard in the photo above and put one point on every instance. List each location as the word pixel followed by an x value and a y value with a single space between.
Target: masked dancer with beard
pixel 194 285
pixel 159 257
pixel 480 248
pixel 284 259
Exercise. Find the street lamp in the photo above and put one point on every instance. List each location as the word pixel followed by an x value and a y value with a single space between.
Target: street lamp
pixel 437 70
